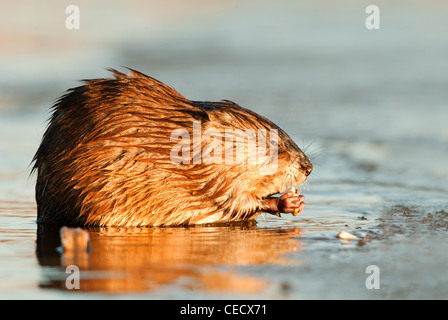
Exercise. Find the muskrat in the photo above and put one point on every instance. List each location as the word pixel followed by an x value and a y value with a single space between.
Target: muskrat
pixel 106 159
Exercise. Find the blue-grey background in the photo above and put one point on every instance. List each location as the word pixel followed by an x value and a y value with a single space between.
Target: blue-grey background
pixel 369 106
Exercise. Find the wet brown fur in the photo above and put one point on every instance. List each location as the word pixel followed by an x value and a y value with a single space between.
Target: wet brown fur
pixel 105 159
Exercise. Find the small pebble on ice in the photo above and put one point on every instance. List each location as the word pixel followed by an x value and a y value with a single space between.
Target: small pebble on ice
pixel 346 236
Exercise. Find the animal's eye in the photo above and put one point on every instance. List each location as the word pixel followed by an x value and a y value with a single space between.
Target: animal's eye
pixel 274 143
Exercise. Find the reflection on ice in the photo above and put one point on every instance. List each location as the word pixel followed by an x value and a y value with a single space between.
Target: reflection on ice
pixel 134 259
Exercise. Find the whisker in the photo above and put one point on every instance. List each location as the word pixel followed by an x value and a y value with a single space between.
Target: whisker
pixel 305 148
pixel 287 116
pixel 285 178
pixel 306 186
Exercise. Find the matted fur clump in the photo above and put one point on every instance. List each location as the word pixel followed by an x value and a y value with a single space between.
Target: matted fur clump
pixel 131 151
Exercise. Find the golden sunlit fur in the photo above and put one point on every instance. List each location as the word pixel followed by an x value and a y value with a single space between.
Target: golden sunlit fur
pixel 105 159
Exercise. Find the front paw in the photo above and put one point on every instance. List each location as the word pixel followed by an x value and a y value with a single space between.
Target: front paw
pixel 291 202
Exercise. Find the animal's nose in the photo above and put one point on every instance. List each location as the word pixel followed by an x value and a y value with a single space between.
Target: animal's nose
pixel 307 169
